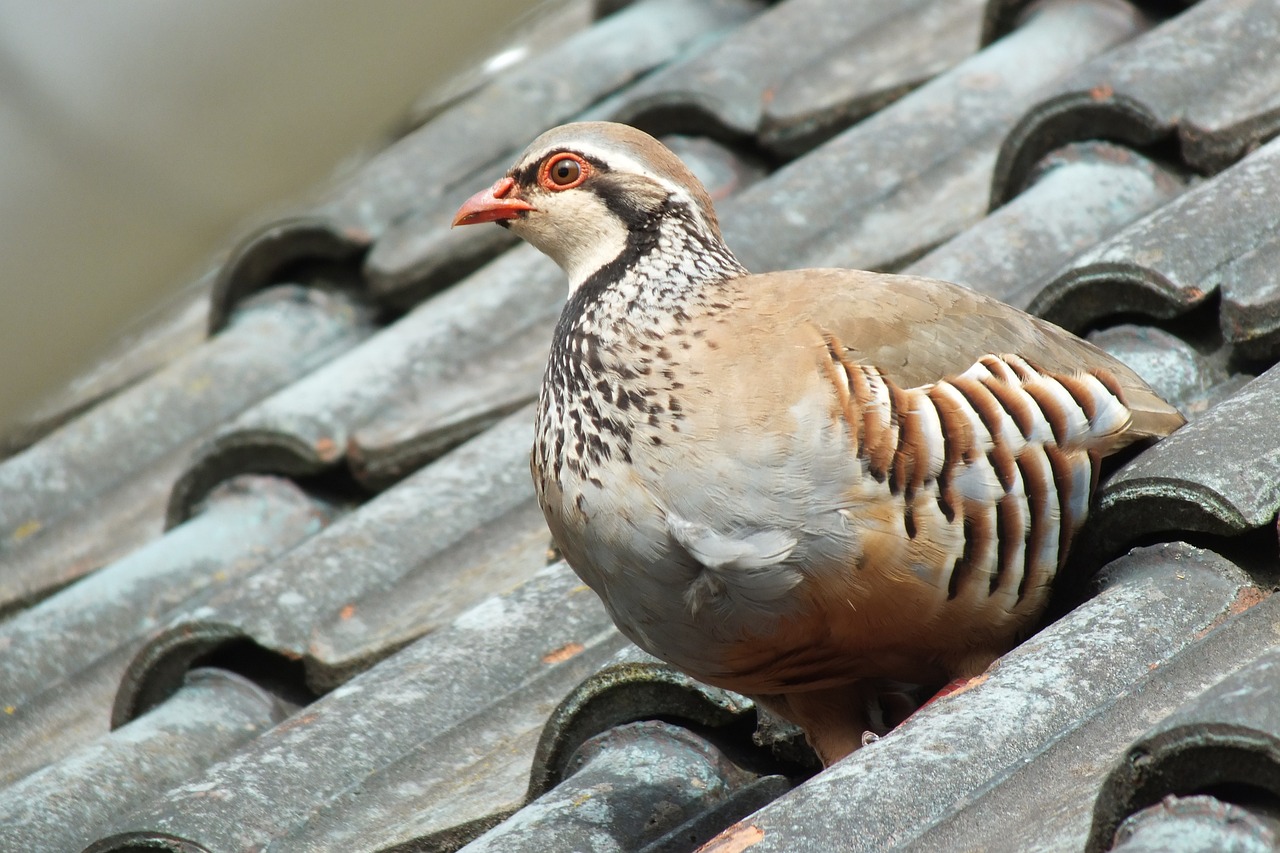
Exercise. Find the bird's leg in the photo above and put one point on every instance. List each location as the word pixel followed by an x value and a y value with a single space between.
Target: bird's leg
pixel 836 720
pixel 979 664
pixel 969 672
pixel 955 685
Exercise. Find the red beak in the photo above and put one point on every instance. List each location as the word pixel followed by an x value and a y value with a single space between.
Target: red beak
pixel 492 205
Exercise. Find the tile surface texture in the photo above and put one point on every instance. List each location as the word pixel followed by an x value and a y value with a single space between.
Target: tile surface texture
pixel 272 575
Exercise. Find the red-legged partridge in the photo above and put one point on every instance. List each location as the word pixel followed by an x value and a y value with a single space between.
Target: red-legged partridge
pixel 799 485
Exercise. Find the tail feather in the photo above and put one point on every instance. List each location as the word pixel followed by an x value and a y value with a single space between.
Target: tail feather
pixel 1150 415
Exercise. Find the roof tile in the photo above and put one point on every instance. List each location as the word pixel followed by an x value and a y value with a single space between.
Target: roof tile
pixel 290 604
pixel 1194 824
pixel 64 805
pixel 307 428
pixel 626 788
pixel 914 174
pixel 1220 225
pixel 64 658
pixel 1063 784
pixel 897 47
pixel 728 90
pixel 433 745
pixel 133 444
pixel 1227 736
pixel 1201 80
pixel 1218 475
pixel 1079 195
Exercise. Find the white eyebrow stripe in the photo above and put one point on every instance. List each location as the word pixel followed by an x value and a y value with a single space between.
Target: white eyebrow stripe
pixel 617 160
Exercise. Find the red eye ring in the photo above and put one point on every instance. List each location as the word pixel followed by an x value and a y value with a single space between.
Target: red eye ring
pixel 563 171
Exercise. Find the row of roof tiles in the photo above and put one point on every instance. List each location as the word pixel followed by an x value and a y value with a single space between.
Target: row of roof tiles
pixel 379 652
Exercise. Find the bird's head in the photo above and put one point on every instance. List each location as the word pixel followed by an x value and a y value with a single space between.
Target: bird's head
pixel 587 194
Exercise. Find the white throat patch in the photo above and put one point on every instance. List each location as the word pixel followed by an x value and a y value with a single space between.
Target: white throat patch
pixel 585 237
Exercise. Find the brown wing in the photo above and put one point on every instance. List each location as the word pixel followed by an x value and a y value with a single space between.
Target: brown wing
pixel 918 330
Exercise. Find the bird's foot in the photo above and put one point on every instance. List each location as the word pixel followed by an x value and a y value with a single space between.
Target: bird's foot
pixel 953 687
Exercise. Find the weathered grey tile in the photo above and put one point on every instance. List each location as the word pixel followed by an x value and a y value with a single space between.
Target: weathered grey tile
pixel 243 524
pixel 894 789
pixel 68 716
pixel 64 806
pixel 1208 240
pixel 311 245
pixel 1059 784
pixel 896 48
pixel 432 746
pixel 1079 195
pixel 1204 80
pixel 723 170
pixel 72 648
pixel 410 431
pixel 1175 370
pixel 742 802
pixel 642 780
pixel 1249 315
pixel 773 76
pixel 1218 475
pixel 496 553
pixel 632 685
pixel 120 445
pixel 1196 824
pixel 1000 17
pixel 406 532
pixel 307 427
pixel 119 521
pixel 917 172
pixel 1225 738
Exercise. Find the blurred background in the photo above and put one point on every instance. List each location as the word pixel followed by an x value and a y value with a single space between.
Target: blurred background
pixel 137 135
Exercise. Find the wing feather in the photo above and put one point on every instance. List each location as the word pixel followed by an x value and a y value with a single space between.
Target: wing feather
pixel 918 330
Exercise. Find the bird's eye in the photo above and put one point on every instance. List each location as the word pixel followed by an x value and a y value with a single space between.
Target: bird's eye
pixel 563 172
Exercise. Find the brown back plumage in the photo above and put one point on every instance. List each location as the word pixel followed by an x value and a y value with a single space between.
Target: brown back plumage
pixel 919 330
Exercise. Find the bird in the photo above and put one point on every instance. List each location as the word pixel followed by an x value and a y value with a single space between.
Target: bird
pixel 806 486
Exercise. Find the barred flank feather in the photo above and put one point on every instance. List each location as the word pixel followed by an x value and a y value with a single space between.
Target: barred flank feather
pixel 1009 452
